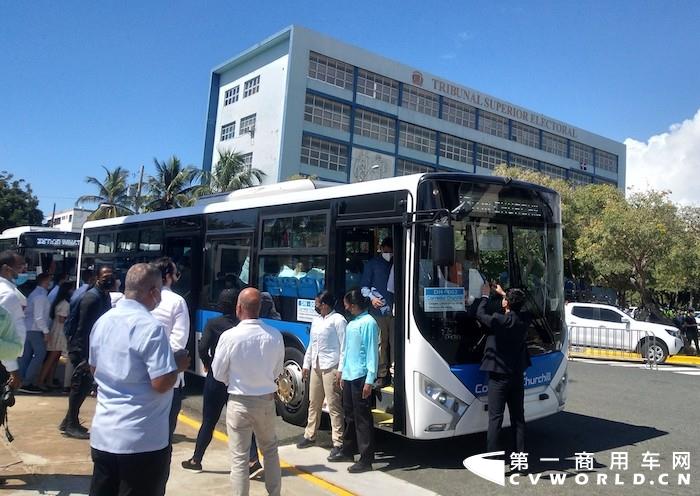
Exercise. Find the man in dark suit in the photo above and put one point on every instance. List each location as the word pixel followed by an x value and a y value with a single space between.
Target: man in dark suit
pixel 505 359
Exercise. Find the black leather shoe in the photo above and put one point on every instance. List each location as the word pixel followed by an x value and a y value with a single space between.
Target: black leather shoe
pixel 75 432
pixel 339 456
pixel 359 467
pixel 305 443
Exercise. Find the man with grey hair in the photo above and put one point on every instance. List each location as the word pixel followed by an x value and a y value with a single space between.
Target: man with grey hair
pixel 135 370
pixel 249 359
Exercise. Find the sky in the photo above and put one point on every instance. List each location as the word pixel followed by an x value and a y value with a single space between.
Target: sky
pixel 85 85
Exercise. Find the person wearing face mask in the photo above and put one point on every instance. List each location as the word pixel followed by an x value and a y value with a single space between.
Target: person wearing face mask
pixel 357 372
pixel 85 311
pixel 130 438
pixel 37 325
pixel 375 286
pixel 12 266
pixel 326 345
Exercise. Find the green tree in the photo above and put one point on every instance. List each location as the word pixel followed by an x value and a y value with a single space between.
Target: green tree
pixel 18 205
pixel 112 195
pixel 231 173
pixel 173 185
pixel 636 236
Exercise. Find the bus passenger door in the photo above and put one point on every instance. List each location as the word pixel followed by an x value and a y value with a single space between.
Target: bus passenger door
pixel 186 252
pixel 355 246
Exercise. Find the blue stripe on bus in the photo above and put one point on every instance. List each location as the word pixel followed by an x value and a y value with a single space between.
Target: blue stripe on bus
pixel 540 373
pixel 300 330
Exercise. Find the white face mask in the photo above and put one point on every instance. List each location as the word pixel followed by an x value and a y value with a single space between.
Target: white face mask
pixel 387 256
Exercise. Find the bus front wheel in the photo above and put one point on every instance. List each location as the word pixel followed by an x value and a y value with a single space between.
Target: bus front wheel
pixel 293 391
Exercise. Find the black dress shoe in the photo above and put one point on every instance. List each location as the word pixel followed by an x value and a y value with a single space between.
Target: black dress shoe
pixel 359 467
pixel 339 456
pixel 75 432
pixel 305 443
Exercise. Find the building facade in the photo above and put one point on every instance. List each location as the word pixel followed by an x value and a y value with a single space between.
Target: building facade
pixel 303 103
pixel 68 220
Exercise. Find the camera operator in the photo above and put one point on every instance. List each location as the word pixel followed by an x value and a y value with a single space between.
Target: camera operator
pixel 11 266
pixel 10 348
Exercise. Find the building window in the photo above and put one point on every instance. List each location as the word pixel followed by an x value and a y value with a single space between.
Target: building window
pixel 553 171
pixel 488 157
pixel 583 154
pixel 406 167
pixel 324 154
pixel 554 144
pixel 579 179
pixel 600 180
pixel 330 71
pixel 231 96
pixel 456 149
pixel 328 113
pixel 228 131
pixel 375 126
pixel 527 135
pixel 524 162
pixel 251 87
pixel 420 100
pixel 378 87
pixel 247 161
pixel 606 161
pixel 247 125
pixel 493 124
pixel 417 138
pixel 459 113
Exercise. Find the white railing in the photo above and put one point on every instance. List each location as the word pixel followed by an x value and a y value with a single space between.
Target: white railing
pixel 616 343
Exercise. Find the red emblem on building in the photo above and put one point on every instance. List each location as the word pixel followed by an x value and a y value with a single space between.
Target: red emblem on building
pixel 417 78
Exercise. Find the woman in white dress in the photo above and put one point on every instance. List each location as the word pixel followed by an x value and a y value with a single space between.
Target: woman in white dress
pixel 56 344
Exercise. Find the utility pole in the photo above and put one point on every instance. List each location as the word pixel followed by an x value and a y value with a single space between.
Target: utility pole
pixel 53 213
pixel 138 191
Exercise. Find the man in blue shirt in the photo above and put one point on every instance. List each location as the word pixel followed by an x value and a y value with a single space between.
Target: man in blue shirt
pixel 374 283
pixel 135 371
pixel 357 372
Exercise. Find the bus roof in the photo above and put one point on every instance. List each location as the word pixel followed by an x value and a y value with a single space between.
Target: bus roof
pixel 15 232
pixel 297 191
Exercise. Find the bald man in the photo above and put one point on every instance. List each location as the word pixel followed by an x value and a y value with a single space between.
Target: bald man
pixel 249 361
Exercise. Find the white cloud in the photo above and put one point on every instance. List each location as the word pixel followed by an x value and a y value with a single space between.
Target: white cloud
pixel 448 56
pixel 668 161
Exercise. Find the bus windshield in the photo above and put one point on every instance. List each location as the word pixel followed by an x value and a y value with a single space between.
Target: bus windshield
pixel 505 234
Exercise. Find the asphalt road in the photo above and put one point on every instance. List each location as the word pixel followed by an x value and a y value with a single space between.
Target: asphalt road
pixel 609 409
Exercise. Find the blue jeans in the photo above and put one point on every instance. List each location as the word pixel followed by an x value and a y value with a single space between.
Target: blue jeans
pixel 33 356
pixel 214 398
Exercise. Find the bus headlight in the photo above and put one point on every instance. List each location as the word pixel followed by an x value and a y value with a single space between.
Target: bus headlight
pixel 444 399
pixel 560 389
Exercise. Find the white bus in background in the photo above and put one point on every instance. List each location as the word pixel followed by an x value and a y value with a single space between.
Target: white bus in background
pixel 46 249
pixel 450 230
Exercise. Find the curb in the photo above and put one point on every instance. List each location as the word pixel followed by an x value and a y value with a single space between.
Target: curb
pixel 623 356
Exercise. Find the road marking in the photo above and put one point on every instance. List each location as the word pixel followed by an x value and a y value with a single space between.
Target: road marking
pixel 697 372
pixel 317 481
pixel 694 371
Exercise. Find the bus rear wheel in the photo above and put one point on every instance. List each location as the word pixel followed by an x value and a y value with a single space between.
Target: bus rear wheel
pixel 293 391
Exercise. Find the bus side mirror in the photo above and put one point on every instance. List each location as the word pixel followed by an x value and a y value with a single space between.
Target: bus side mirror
pixel 443 244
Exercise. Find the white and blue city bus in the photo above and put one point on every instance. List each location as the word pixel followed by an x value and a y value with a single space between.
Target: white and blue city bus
pixel 451 232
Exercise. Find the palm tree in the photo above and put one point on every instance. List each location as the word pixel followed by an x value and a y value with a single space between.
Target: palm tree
pixel 172 186
pixel 231 173
pixel 112 196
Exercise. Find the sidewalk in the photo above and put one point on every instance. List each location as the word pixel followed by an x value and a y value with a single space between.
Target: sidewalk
pixel 42 461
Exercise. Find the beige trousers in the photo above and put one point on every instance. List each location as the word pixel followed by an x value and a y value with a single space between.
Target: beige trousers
pixel 245 415
pixel 322 385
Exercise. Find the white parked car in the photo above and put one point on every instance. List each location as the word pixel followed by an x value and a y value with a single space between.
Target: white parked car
pixel 604 326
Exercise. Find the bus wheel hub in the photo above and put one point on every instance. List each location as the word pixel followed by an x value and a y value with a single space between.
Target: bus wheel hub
pixel 290 385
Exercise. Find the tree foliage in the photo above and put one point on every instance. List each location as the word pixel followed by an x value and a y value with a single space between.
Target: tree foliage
pixel 231 173
pixel 173 186
pixel 18 205
pixel 112 197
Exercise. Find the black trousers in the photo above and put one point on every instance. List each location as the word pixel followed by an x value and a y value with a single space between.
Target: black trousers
pixel 175 407
pixel 137 474
pixel 359 426
pixel 80 386
pixel 506 390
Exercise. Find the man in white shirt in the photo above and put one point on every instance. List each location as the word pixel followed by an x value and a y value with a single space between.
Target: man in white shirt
pixel 36 322
pixel 249 360
pixel 135 371
pixel 11 266
pixel 172 312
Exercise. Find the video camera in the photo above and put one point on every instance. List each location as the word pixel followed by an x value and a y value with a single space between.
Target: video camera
pixel 7 400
